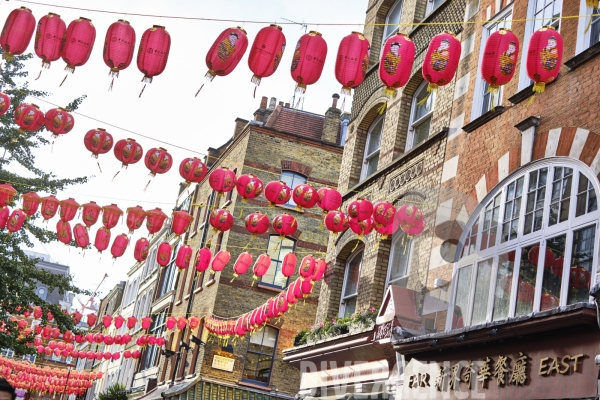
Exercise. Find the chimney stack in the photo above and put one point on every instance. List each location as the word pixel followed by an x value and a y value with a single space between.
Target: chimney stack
pixel 259 115
pixel 331 126
pixel 269 111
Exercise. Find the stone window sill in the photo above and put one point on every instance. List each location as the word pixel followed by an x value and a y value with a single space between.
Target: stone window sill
pixel 210 283
pixel 271 288
pixel 198 290
pixel 484 119
pixel 178 302
pixel 243 383
pixel 583 57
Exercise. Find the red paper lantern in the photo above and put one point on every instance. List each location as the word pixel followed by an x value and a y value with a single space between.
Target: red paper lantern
pixel 128 151
pixel 192 170
pixel 261 266
pixel 266 52
pixel 278 192
pixel 306 287
pixel 98 141
pixel 135 218
pixel 16 220
pixel 158 161
pixel 48 38
pixel 4 103
pixel 17 32
pixel 285 224
pixel 396 63
pixel 184 256
pixel 111 215
pixel 222 180
pixel 226 52
pixel 203 258
pixel 249 186
pixel 181 323
pixel 78 43
pixel 289 294
pixel 131 322
pixel 221 219
pixel 307 267
pixel 579 277
pixel 91 319
pixel 441 60
pixel 181 222
pixel 385 230
pixel 544 57
pixel 220 261
pixel 82 239
pixel 7 193
pixel 49 207
pixel 288 265
pixel 352 61
pixel 557 266
pixel 119 246
pixel 4 215
pixel 305 196
pixel 361 228
pixel 28 117
pixel 242 264
pixel 383 213
pixel 336 222
pixel 308 60
pixel 102 239
pixel 257 223
pixel 59 121
pixel 163 254
pixel 146 322
pixel 68 209
pixel 525 292
pixel 118 46
pixel 414 229
pixel 533 255
pixel 140 251
pixel 155 219
pixel 407 215
pixel 153 52
pixel 90 213
pixel 499 58
pixel 549 301
pixel 360 209
pixel 281 304
pixel 319 271
pixel 329 199
pixel 63 231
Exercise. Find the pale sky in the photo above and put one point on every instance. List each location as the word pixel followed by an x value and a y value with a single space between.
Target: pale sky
pixel 167 110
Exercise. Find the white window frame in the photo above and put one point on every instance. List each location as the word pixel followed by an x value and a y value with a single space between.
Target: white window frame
pixel 410 138
pixel 479 82
pixel 396 238
pixel 431 8
pixel 539 237
pixel 359 251
pixel 398 3
pixel 375 153
pixel 470 12
pixel 302 180
pixel 583 37
pixel 524 80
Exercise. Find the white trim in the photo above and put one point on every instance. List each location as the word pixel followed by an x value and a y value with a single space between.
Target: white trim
pixel 479 82
pixel 539 237
pixel 396 237
pixel 387 21
pixel 412 123
pixel 359 251
pixel 583 37
pixel 367 157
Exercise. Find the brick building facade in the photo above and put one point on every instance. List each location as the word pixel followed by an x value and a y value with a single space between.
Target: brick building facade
pixel 280 143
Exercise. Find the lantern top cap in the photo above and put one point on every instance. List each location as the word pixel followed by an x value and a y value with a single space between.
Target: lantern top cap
pixel 124 20
pixel 241 29
pixel 450 33
pixel 85 19
pixel 161 148
pixel 359 34
pixel 25 9
pixel 51 14
pixel 157 27
pixel 545 27
pixel 313 33
pixel 101 129
pixel 35 105
pixel 277 26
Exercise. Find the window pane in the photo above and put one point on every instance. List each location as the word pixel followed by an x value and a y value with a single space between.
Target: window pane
pixel 512 209
pixel 371 164
pixel 504 279
pixel 277 249
pixel 586 197
pixel 595 28
pixel 582 257
pixel 250 366
pixel 352 274
pixel 463 292
pixel 374 137
pixel 350 306
pixel 536 195
pixel 420 111
pixel 527 276
pixel 471 240
pixel 421 131
pixel 561 195
pixel 490 223
pixel 393 17
pixel 292 180
pixel 482 291
pixel 553 271
pixel 399 259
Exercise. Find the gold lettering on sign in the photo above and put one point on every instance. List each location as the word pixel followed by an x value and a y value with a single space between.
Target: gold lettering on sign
pixel 439 380
pixel 484 372
pixel 455 377
pixel 543 366
pixel 561 365
pixel 576 361
pixel 468 374
pixel 500 370
pixel 565 362
pixel 519 373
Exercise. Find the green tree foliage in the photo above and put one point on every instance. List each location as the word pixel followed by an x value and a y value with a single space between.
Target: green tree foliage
pixel 114 392
pixel 18 274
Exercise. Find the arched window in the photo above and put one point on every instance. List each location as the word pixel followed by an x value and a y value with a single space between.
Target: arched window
pixel 531 245
pixel 420 116
pixel 372 146
pixel 350 287
pixel 292 179
pixel 391 21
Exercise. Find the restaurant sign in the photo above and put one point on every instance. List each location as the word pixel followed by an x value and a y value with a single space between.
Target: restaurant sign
pixel 223 363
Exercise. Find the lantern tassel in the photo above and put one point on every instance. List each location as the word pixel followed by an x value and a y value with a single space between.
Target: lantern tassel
pixel 234 276
pixel 63 81
pixel 493 90
pixel 297 103
pixel 210 75
pixel 346 91
pixel 382 108
pixel 199 90
pixel 40 74
pixel 300 89
pixel 113 178
pixel 70 69
pixel 254 94
pixel 142 90
pixel 110 87
pixel 100 168
pixel 432 87
pixel 8 56
pixel 343 104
